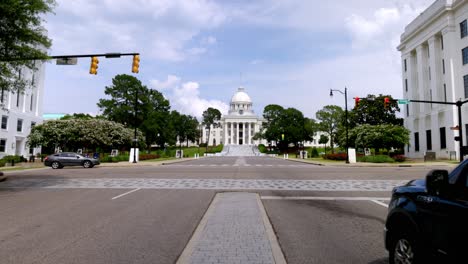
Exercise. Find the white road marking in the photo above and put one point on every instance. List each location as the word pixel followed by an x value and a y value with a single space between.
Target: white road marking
pixel 326 198
pixel 118 196
pixel 380 203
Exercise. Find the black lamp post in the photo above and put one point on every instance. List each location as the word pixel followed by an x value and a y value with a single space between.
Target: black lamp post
pixel 346 117
pixel 135 139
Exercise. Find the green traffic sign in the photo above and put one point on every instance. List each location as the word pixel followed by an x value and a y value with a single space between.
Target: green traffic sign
pixel 403 101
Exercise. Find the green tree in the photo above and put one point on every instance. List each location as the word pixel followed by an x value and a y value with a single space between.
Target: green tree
pixel 371 111
pixel 330 117
pixel 77 116
pixel 211 118
pixel 323 140
pixel 152 109
pixel 271 127
pixel 21 37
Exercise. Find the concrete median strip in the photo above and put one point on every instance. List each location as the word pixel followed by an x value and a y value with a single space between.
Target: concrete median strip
pixel 235 229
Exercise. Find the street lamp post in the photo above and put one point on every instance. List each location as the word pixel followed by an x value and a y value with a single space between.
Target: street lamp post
pixel 135 139
pixel 346 117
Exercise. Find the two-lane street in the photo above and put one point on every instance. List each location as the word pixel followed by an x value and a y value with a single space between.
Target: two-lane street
pixel 147 214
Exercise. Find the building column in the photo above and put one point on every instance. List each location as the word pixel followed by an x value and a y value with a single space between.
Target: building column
pixel 232 133
pixel 453 58
pixel 248 132
pixel 225 133
pixel 237 133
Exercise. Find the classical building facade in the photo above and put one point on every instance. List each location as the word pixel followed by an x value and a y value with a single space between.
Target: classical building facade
pixel 20 111
pixel 239 126
pixel 434 54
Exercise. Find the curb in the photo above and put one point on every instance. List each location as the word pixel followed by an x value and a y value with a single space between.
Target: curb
pixel 278 255
pixel 187 252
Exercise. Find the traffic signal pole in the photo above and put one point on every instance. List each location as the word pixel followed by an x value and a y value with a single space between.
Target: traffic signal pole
pixel 459 104
pixel 107 55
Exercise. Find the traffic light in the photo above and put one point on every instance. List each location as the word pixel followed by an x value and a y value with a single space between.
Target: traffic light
pixel 386 102
pixel 94 65
pixel 136 63
pixel 356 101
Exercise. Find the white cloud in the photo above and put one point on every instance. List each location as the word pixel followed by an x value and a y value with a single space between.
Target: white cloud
pixel 171 82
pixel 162 29
pixel 185 97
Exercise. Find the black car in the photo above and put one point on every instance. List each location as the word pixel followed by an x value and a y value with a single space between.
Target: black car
pixel 427 219
pixel 59 160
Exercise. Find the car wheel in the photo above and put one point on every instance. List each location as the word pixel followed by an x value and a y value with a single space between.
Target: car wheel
pixel 87 164
pixel 55 165
pixel 404 250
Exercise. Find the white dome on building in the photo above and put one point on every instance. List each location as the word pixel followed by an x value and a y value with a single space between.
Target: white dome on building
pixel 241 96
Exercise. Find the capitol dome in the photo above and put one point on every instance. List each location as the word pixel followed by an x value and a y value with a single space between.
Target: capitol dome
pixel 241 104
pixel 241 96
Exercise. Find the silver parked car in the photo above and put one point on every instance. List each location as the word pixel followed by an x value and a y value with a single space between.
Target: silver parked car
pixel 59 160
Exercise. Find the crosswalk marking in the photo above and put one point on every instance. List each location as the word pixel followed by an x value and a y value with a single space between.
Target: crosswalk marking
pixel 242 165
pixel 206 184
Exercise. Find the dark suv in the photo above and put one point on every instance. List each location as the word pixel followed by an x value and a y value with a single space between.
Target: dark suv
pixel 427 219
pixel 59 160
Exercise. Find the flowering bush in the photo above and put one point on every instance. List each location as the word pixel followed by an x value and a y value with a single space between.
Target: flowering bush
pixel 148 156
pixel 399 158
pixel 336 156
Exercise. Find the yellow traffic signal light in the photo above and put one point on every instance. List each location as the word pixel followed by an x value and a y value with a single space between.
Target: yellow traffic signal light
pixel 94 65
pixel 136 63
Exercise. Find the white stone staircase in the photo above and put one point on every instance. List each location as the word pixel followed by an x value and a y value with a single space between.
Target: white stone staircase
pixel 240 150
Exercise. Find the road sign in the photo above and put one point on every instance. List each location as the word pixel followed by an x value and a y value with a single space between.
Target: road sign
pixel 403 101
pixel 67 61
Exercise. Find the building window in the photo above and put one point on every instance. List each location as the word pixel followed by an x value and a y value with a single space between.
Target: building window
pixel 463 29
pixel 404 62
pixel 406 84
pixel 2 145
pixel 465 85
pixel 443 66
pixel 428 140
pixel 442 42
pixel 429 71
pixel 416 141
pixel 465 55
pixel 17 98
pixel 445 92
pixel 4 122
pixel 443 139
pixel 19 125
pixel 428 53
pixel 407 110
pixel 2 96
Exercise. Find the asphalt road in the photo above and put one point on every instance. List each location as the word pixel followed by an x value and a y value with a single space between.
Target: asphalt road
pixel 60 216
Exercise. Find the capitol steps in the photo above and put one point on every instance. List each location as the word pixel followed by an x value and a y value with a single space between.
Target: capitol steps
pixel 240 150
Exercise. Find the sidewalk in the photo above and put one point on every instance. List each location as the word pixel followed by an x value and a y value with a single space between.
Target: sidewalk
pixel 235 229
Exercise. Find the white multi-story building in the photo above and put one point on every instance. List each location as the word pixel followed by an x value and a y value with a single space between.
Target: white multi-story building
pixel 434 53
pixel 239 126
pixel 21 111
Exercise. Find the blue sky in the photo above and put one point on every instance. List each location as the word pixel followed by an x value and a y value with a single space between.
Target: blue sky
pixel 195 51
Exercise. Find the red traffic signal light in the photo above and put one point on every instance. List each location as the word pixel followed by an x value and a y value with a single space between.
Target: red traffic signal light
pixel 94 65
pixel 386 102
pixel 136 64
pixel 356 101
